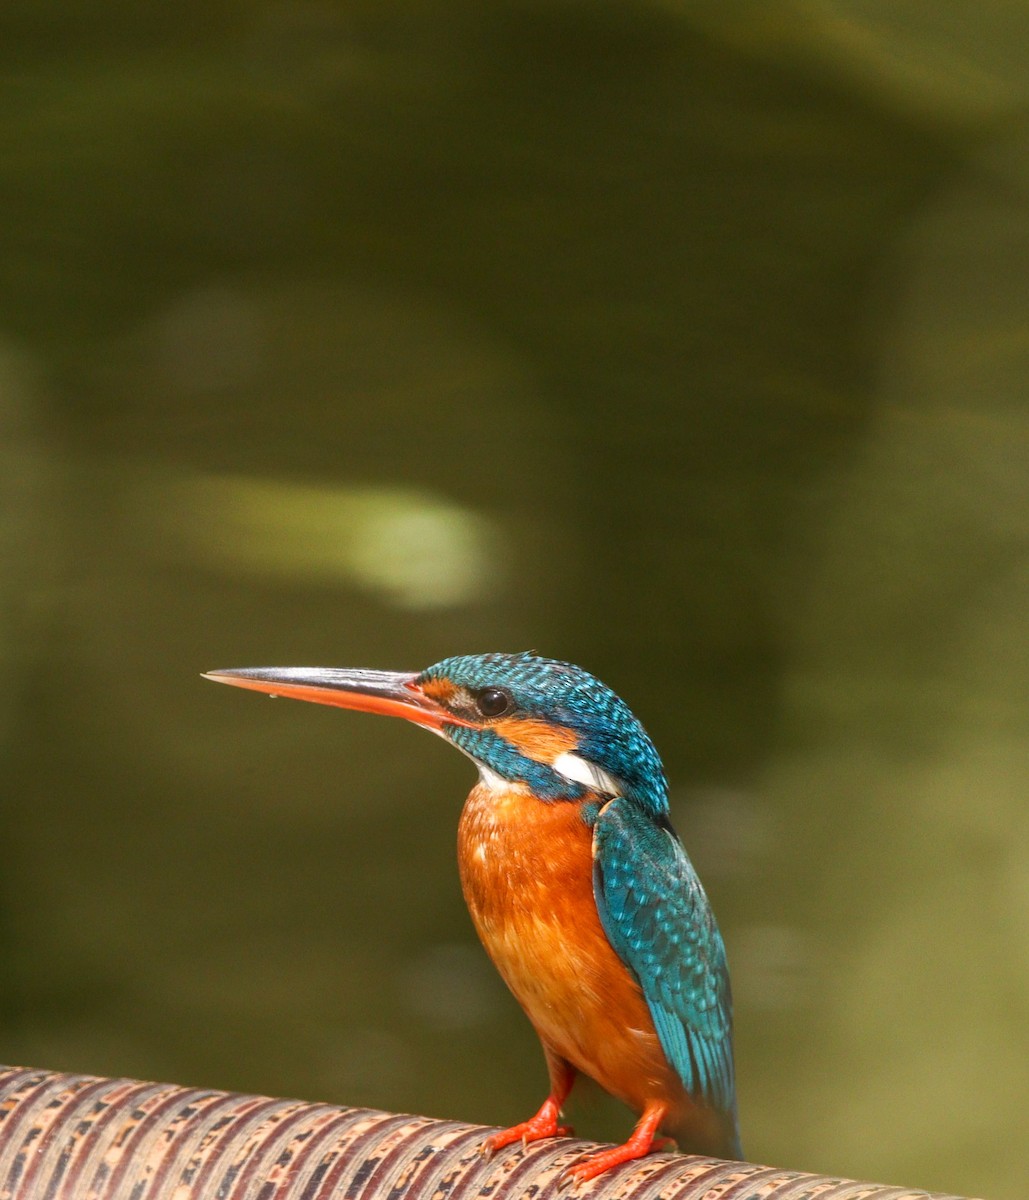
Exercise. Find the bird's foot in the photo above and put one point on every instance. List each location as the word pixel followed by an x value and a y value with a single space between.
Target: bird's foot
pixel 642 1142
pixel 542 1125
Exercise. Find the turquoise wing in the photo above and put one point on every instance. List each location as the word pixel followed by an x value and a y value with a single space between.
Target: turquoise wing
pixel 659 921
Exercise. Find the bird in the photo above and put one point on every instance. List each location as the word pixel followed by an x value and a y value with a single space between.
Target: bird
pixel 578 887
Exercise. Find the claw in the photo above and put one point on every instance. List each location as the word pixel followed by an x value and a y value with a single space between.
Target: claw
pixel 592 1165
pixel 640 1144
pixel 566 1179
pixel 542 1125
pixel 589 1166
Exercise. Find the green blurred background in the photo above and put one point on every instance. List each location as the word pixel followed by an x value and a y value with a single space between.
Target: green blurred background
pixel 687 341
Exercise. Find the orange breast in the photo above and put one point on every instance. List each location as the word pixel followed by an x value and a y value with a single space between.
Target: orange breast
pixel 527 873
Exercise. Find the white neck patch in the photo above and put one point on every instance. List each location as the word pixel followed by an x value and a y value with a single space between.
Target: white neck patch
pixel 581 770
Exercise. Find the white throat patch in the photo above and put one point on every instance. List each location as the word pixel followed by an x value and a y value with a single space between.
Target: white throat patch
pixel 493 782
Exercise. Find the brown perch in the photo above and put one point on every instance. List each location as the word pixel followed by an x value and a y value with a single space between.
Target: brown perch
pixel 78 1137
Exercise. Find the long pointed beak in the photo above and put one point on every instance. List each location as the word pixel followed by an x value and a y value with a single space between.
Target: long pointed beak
pixel 393 693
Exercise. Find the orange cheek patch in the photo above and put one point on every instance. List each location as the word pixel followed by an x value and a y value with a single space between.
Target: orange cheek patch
pixel 440 690
pixel 536 739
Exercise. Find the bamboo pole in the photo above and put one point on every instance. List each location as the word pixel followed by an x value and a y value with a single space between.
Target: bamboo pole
pixel 78 1137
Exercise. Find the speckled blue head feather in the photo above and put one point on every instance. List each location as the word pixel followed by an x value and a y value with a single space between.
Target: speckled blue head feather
pixel 561 694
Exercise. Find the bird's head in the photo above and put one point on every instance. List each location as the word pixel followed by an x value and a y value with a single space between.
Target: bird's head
pixel 544 724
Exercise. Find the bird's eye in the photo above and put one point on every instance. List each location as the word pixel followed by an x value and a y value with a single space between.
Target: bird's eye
pixel 493 702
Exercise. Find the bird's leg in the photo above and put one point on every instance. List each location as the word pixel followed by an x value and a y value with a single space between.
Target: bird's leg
pixel 544 1123
pixel 644 1139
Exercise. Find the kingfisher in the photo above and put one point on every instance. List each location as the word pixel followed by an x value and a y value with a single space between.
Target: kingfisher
pixel 578 886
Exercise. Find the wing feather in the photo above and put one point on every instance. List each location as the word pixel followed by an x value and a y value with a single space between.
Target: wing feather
pixel 658 919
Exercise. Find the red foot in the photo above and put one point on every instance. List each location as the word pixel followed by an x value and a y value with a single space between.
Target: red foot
pixel 640 1144
pixel 542 1125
